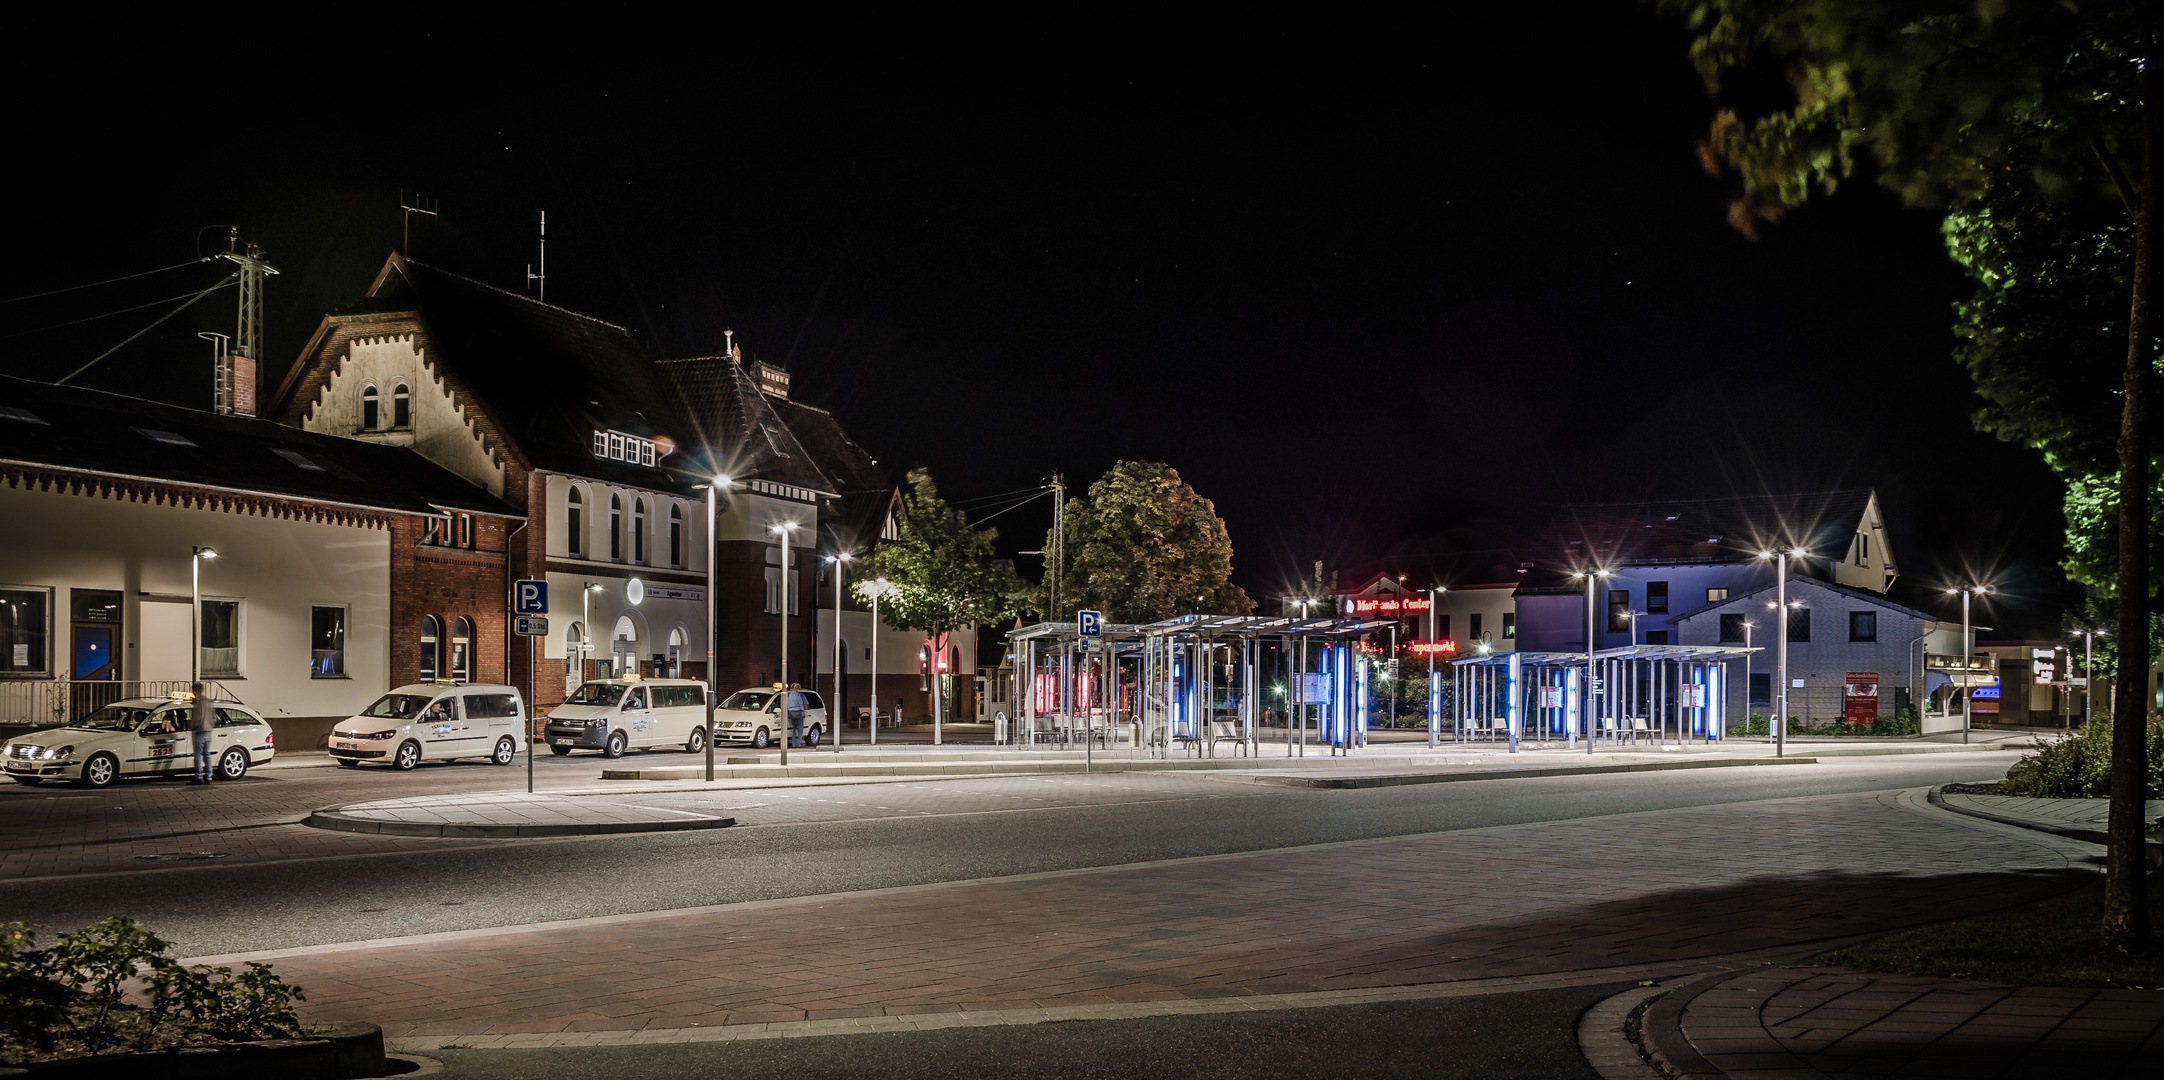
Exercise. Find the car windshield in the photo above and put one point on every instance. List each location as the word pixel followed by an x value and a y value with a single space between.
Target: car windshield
pixel 748 700
pixel 398 706
pixel 115 718
pixel 595 693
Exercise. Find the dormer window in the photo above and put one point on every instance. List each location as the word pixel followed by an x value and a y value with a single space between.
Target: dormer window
pixel 371 408
pixel 618 446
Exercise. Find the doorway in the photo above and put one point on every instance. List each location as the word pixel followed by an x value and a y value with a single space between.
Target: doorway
pixel 93 657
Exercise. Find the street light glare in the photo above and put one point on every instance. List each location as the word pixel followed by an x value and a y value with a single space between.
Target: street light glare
pixel 722 481
pixel 206 553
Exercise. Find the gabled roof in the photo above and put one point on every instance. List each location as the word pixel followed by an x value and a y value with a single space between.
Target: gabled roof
pixel 115 435
pixel 738 426
pixel 1877 600
pixel 1689 531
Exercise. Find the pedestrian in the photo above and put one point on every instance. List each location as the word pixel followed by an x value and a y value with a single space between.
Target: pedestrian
pixel 201 719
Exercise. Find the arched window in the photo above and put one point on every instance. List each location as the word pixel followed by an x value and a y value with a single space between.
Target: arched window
pixel 677 650
pixel 401 408
pixel 616 527
pixel 624 646
pixel 574 522
pixel 574 656
pixel 462 650
pixel 638 531
pixel 369 407
pixel 676 536
pixel 430 629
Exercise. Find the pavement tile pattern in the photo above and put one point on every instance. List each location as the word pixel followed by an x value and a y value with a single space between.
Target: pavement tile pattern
pixel 1516 900
pixel 1782 1022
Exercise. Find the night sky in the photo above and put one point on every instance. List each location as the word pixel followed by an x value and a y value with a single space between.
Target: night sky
pixel 1383 292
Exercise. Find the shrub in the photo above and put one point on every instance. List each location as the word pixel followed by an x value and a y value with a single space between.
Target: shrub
pixel 72 998
pixel 2079 765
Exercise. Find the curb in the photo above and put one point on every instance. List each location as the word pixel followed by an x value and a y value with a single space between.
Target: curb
pixel 332 819
pixel 1502 774
pixel 347 1050
pixel 2086 836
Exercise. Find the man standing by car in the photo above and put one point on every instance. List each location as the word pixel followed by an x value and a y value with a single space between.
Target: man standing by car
pixel 201 718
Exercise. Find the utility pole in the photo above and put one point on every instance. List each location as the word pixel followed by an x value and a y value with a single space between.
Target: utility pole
pixel 237 374
pixel 1059 543
pixel 543 277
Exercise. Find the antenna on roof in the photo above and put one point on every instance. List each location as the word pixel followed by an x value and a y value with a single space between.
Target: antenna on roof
pixel 419 204
pixel 543 276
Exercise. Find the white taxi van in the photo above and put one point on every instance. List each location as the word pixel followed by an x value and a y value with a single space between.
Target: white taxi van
pixel 138 737
pixel 756 716
pixel 631 713
pixel 437 721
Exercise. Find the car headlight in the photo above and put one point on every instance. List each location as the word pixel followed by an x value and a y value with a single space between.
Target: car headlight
pixel 57 753
pixel 598 723
pixel 382 735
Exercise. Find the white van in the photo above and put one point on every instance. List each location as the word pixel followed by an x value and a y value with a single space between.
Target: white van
pixel 631 713
pixel 756 716
pixel 436 721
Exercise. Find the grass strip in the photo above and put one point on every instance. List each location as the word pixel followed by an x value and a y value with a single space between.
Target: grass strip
pixel 2054 942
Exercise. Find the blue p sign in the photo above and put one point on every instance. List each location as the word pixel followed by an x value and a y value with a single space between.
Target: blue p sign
pixel 530 597
pixel 1089 623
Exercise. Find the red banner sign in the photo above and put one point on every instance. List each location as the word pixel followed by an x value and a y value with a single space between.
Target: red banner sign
pixel 1436 648
pixel 1387 605
pixel 1859 700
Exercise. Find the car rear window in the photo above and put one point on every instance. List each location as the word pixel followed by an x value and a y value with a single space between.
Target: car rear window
pixel 233 718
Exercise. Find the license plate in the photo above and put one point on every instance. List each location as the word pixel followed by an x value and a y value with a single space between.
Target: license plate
pixel 12 767
pixel 561 742
pixel 341 744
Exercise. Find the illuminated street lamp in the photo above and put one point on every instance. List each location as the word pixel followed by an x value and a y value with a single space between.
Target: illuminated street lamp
pixel 2088 676
pixel 784 529
pixel 840 559
pixel 195 604
pixel 1968 648
pixel 714 489
pixel 1586 692
pixel 1779 728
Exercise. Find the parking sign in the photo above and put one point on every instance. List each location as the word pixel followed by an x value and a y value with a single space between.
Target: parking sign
pixel 530 597
pixel 1089 623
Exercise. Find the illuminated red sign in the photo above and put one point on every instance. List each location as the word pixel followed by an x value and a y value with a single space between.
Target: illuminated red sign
pixel 1428 648
pixel 1383 605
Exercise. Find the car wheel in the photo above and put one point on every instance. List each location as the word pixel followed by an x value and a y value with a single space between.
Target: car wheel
pixel 232 766
pixel 811 739
pixel 559 751
pixel 348 763
pixel 697 741
pixel 760 739
pixel 28 781
pixel 506 751
pixel 408 755
pixel 101 770
pixel 615 749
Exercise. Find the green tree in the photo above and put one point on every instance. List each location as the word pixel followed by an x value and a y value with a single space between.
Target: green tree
pixel 1940 97
pixel 939 574
pixel 1143 546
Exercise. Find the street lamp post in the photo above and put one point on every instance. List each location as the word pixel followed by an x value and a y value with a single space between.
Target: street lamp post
pixel 784 530
pixel 840 559
pixel 195 607
pixel 586 624
pixel 713 685
pixel 879 588
pixel 1591 643
pixel 1968 650
pixel 2088 673
pixel 1779 727
pixel 1748 626
pixel 1435 719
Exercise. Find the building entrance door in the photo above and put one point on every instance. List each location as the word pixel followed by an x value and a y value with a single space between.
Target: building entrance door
pixel 92 655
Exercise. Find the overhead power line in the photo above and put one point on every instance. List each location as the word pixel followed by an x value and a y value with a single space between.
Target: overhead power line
pixel 107 315
pixel 108 281
pixel 229 279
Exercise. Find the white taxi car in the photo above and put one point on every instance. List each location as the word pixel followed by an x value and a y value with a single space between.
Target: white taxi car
pixel 756 716
pixel 440 721
pixel 138 737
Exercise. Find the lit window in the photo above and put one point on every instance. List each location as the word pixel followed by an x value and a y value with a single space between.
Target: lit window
pixel 370 406
pixel 1715 596
pixel 574 522
pixel 1619 610
pixel 327 642
pixel 220 638
pixel 1510 625
pixel 25 626
pixel 462 650
pixel 401 408
pixel 429 647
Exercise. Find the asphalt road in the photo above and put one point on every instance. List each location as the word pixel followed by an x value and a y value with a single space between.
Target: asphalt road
pixel 1529 1034
pixel 218 909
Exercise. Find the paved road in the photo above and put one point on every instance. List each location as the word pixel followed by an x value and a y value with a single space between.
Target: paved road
pixel 1501 1036
pixel 426 886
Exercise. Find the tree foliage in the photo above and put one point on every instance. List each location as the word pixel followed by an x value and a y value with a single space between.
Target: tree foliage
pixel 1144 546
pixel 941 574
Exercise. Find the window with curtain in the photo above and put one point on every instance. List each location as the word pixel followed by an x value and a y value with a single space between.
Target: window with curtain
pixel 221 638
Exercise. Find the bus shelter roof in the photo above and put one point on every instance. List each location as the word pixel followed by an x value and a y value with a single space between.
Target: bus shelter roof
pixel 1625 652
pixel 1208 626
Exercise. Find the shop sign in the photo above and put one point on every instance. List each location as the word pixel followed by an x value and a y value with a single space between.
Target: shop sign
pixel 1859 697
pixel 1434 648
pixel 1385 605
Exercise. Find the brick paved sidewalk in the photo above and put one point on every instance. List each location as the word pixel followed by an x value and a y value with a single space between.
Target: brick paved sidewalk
pixel 1516 900
pixel 1777 1023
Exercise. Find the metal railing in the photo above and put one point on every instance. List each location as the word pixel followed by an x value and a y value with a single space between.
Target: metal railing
pixel 52 702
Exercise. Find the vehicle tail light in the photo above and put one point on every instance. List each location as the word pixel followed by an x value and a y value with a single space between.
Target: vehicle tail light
pixel 269 738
